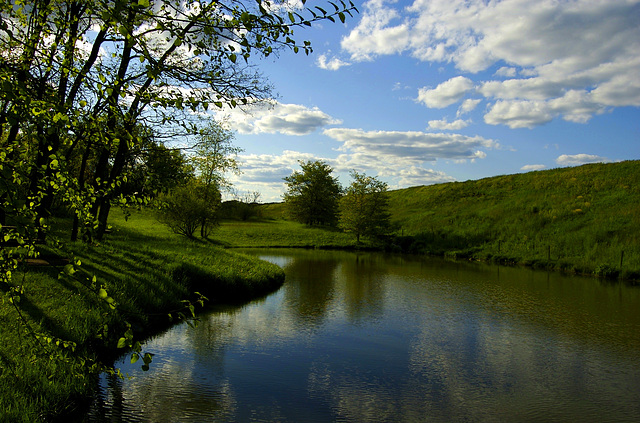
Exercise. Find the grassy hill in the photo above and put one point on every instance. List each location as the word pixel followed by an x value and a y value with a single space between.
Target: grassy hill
pixel 583 219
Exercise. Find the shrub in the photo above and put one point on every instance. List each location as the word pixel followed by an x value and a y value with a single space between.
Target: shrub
pixel 184 209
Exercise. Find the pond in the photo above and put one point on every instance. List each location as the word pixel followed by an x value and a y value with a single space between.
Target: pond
pixel 357 337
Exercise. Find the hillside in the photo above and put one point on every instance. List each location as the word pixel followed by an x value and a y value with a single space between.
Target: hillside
pixel 585 219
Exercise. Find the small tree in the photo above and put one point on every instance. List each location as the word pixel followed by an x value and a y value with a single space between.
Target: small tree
pixel 185 207
pixel 215 155
pixel 313 194
pixel 364 209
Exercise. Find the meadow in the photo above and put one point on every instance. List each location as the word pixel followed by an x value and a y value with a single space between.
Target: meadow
pixel 582 219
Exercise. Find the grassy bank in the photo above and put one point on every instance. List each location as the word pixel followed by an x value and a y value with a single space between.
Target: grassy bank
pixel 146 270
pixel 582 219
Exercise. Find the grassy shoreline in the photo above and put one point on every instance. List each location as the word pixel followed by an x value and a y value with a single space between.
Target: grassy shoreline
pixel 582 220
pixel 147 271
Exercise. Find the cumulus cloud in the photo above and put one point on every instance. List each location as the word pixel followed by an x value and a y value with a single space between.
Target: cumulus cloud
pixel 396 157
pixel 506 72
pixel 468 106
pixel 265 172
pixel 580 159
pixel 532 167
pixel 409 148
pixel 444 125
pixel 446 93
pixel 568 59
pixel 288 119
pixel 332 63
pixel 519 114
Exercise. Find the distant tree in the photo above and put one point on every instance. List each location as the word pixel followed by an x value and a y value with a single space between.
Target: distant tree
pixel 364 209
pixel 184 208
pixel 312 195
pixel 215 155
pixel 157 169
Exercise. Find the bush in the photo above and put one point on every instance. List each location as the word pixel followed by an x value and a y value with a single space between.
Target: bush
pixel 185 209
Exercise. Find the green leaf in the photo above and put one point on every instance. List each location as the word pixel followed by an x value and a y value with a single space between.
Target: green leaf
pixel 143 3
pixel 102 293
pixel 134 357
pixel 122 342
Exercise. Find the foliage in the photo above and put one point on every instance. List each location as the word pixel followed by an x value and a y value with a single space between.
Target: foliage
pixel 189 207
pixel 157 169
pixel 242 207
pixel 88 86
pixel 364 209
pixel 583 219
pixel 312 194
pixel 214 156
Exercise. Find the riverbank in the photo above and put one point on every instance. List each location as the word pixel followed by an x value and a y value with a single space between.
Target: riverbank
pixel 139 280
pixel 581 220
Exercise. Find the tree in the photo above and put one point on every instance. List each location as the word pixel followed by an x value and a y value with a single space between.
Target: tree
pixel 364 209
pixel 79 79
pixel 312 195
pixel 214 156
pixel 157 169
pixel 185 208
pixel 83 84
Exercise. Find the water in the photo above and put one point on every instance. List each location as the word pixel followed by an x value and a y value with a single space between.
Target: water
pixel 358 337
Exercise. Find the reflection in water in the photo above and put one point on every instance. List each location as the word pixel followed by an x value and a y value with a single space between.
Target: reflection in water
pixel 369 337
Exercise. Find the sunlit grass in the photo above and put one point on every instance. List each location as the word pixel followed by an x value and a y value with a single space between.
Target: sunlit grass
pixel 147 270
pixel 584 219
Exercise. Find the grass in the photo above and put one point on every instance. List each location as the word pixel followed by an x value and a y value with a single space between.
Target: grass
pixel 147 271
pixel 583 219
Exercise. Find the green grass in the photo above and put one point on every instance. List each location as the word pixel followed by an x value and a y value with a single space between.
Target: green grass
pixel 147 270
pixel 582 219
pixel 280 233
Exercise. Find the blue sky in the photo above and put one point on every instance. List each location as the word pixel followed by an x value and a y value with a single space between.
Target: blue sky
pixel 431 91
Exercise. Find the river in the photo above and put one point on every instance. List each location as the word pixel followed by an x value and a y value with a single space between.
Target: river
pixel 369 337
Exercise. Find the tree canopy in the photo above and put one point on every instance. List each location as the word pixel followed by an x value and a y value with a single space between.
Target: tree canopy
pixel 87 86
pixel 312 194
pixel 85 81
pixel 364 209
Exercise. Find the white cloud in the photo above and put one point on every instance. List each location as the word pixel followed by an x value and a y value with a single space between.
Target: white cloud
pixel 408 148
pixel 580 159
pixel 396 157
pixel 414 176
pixel 444 125
pixel 506 72
pixel 532 167
pixel 568 59
pixel 374 35
pixel 468 106
pixel 330 63
pixel 446 93
pixel 519 114
pixel 288 119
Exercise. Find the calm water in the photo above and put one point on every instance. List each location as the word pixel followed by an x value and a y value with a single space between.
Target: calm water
pixel 368 337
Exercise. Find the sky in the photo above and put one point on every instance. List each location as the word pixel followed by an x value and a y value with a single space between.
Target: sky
pixel 432 91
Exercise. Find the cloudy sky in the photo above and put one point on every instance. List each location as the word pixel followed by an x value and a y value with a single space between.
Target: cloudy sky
pixel 431 91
